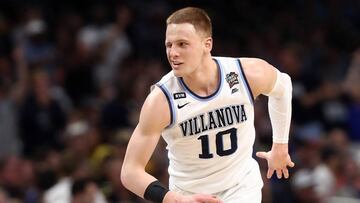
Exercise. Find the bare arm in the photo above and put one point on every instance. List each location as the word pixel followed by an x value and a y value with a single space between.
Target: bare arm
pixel 265 79
pixel 154 117
pixel 260 75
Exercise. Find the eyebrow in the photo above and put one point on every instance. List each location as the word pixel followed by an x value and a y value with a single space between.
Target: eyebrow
pixel 179 40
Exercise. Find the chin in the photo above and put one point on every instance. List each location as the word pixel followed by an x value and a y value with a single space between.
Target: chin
pixel 178 73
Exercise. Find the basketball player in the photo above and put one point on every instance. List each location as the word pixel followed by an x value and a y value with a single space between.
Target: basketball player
pixel 204 109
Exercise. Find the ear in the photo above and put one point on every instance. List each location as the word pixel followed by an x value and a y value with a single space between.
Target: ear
pixel 208 43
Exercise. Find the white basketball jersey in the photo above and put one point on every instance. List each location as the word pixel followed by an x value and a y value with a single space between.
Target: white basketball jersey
pixel 210 139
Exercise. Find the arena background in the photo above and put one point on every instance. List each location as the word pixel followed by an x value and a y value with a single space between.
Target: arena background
pixel 73 76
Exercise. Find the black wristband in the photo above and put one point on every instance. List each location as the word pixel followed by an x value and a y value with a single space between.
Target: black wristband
pixel 155 192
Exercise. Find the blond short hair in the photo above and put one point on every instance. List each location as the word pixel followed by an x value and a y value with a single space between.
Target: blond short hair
pixel 195 16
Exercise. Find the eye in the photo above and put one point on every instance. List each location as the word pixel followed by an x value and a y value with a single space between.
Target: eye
pixel 182 44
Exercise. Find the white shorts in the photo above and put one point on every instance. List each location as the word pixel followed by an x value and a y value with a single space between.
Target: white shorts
pixel 248 191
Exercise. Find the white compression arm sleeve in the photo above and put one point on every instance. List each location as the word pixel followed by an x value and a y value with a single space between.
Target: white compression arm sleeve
pixel 279 106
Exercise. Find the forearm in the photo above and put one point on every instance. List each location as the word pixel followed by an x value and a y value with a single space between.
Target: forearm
pixel 136 180
pixel 279 106
pixel 140 148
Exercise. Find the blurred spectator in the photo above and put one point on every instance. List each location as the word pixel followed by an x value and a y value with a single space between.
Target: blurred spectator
pixel 11 92
pixel 352 88
pixel 11 177
pixel 38 51
pixel 112 186
pixel 348 184
pixel 74 169
pixel 41 116
pixel 114 46
pixel 3 197
pixel 73 77
pixel 32 36
pixel 17 179
pixel 339 139
pixel 324 174
pixel 114 113
pixel 83 191
pixel 77 139
pixel 303 186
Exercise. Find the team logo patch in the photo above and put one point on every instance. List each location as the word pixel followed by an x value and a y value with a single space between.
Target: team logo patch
pixel 234 90
pixel 179 95
pixel 232 79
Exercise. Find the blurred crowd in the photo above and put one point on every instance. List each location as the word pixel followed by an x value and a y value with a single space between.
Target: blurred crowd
pixel 73 76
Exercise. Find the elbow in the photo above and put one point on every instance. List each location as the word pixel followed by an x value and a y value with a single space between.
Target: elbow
pixel 128 176
pixel 125 177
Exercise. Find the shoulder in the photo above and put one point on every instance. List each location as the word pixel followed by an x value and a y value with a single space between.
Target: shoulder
pixel 254 66
pixel 260 74
pixel 167 78
pixel 155 98
pixel 224 59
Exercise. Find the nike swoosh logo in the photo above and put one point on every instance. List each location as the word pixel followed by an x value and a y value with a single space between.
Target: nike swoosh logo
pixel 180 106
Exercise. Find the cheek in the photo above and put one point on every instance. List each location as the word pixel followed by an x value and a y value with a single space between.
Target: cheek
pixel 199 51
pixel 196 56
pixel 192 54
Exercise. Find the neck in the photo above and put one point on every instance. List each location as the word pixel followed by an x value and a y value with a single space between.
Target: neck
pixel 204 81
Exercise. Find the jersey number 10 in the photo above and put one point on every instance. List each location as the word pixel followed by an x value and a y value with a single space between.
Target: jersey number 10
pixel 219 139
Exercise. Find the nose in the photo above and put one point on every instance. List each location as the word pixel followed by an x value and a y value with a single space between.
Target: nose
pixel 173 53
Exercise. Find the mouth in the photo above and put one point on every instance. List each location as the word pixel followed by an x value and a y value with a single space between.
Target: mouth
pixel 176 64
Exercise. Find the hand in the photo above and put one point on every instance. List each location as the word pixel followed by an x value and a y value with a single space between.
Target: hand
pixel 197 198
pixel 278 160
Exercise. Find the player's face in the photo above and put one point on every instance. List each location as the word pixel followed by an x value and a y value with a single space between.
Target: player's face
pixel 185 48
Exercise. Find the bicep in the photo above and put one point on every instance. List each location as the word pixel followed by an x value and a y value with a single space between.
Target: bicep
pixel 154 117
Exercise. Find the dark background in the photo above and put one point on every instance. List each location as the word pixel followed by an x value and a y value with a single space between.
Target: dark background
pixel 74 74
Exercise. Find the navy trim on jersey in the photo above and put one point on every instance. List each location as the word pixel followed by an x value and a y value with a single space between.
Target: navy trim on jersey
pixel 170 102
pixel 206 98
pixel 246 83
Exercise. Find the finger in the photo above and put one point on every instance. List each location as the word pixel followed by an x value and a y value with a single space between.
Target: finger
pixel 291 164
pixel 218 200
pixel 210 199
pixel 279 174
pixel 214 201
pixel 270 173
pixel 207 198
pixel 286 173
pixel 262 155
